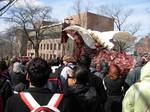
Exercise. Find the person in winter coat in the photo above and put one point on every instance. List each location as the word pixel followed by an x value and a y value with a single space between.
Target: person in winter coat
pixel 133 75
pixel 68 61
pixel 5 85
pixel 81 97
pixel 137 97
pixel 113 83
pixel 18 78
pixel 102 69
pixel 38 74
pixel 93 80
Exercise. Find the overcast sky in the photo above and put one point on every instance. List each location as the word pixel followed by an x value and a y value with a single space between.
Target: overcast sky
pixel 63 8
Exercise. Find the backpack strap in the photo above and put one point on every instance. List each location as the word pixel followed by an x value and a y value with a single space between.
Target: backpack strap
pixel 53 78
pixel 55 100
pixel 29 100
pixel 69 66
pixel 33 105
pixel 59 84
pixel 103 81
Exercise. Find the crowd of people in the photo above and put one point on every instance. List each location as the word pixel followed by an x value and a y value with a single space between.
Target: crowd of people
pixel 70 85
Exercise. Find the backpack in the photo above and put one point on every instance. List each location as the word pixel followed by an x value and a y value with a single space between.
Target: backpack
pixel 54 84
pixel 35 107
pixel 58 70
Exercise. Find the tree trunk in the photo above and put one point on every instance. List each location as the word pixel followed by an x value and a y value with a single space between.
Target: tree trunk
pixel 36 48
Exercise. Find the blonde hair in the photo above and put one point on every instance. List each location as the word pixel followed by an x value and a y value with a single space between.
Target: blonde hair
pixel 68 58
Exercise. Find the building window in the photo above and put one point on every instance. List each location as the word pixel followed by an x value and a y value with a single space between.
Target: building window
pixel 59 46
pixel 47 46
pixel 51 46
pixel 44 46
pixel 50 57
pixel 54 46
pixel 41 46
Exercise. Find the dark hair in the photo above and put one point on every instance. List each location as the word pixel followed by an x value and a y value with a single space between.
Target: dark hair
pixel 3 65
pixel 38 71
pixel 54 62
pixel 85 61
pixel 81 74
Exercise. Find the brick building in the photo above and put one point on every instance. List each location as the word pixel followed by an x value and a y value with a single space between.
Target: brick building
pixel 143 46
pixel 92 21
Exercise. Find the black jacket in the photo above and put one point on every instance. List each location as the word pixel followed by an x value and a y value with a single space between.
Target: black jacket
pixel 96 82
pixel 82 98
pixel 41 95
pixel 19 81
pixel 114 87
pixel 5 86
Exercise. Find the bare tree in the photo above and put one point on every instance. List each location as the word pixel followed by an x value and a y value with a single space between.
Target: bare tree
pixel 120 16
pixel 78 8
pixel 5 44
pixel 5 5
pixel 31 20
pixel 123 41
pixel 11 37
pixel 134 28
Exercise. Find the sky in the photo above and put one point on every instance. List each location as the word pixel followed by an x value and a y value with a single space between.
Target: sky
pixel 63 8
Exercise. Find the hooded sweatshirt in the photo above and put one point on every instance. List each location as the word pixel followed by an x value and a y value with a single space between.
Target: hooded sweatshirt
pixel 137 98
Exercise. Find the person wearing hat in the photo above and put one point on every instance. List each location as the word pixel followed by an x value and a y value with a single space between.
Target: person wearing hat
pixel 18 77
pixel 68 62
